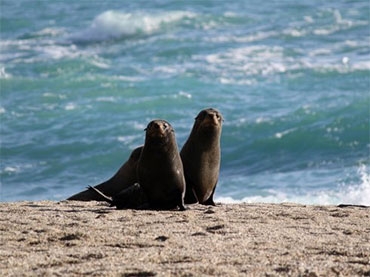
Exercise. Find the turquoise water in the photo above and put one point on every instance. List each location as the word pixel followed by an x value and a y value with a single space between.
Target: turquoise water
pixel 80 80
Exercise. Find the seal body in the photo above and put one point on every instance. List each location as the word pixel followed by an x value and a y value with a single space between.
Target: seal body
pixel 160 170
pixel 201 157
pixel 125 177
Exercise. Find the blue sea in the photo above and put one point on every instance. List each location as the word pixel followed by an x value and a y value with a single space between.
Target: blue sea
pixel 80 80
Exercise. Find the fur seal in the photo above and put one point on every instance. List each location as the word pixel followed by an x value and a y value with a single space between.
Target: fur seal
pixel 160 170
pixel 125 177
pixel 201 157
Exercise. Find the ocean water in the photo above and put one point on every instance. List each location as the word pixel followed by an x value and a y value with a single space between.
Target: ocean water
pixel 80 80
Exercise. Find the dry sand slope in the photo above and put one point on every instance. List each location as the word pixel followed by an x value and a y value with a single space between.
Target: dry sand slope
pixel 76 238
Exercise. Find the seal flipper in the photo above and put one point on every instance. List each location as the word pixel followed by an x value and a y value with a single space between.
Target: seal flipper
pixel 133 197
pixel 102 195
pixel 181 205
pixel 181 202
pixel 92 193
pixel 210 201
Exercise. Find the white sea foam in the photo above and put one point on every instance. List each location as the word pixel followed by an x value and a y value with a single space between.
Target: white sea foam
pixel 114 24
pixel 139 126
pixel 42 49
pixel 54 95
pixel 361 65
pixel 70 107
pixel 257 36
pixel 357 194
pixel 130 140
pixel 4 74
pixel 243 64
pixel 294 32
pixel 248 82
pixel 58 51
pixel 279 135
pixel 106 99
pixel 249 60
pixel 339 24
pixel 185 94
pixel 308 19
pixel 51 32
pixel 16 168
pixel 260 120
pixel 128 78
pixel 11 169
pixel 99 62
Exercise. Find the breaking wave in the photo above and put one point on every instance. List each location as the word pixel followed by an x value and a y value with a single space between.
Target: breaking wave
pixel 115 25
pixel 355 193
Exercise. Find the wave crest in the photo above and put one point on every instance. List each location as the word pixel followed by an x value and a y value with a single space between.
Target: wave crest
pixel 114 24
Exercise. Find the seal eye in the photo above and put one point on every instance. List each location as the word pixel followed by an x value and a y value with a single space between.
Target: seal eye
pixel 165 126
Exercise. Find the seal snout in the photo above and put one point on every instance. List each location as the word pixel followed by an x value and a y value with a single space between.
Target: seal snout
pixel 212 118
pixel 157 128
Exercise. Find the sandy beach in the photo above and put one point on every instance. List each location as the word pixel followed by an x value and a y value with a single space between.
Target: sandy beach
pixel 72 238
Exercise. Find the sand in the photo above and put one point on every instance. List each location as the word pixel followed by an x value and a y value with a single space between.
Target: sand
pixel 72 238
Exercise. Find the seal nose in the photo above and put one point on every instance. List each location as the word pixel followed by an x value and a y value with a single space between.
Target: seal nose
pixel 212 117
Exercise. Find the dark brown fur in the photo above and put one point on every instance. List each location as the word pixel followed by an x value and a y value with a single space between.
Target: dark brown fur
pixel 201 157
pixel 160 169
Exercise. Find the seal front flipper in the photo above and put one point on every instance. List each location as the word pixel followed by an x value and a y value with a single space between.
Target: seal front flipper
pixel 182 207
pixel 91 194
pixel 210 201
pixel 133 197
